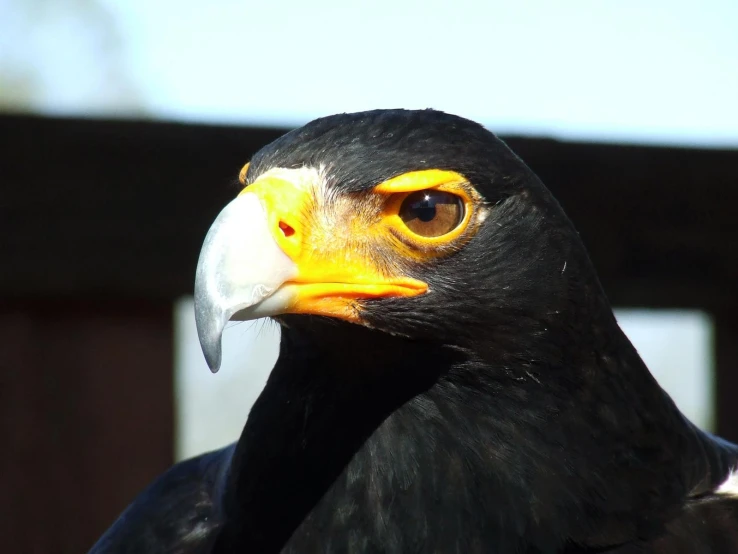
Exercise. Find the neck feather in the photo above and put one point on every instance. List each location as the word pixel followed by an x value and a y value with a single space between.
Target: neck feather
pixel 393 444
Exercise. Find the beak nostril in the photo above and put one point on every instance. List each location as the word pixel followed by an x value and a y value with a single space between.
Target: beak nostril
pixel 286 229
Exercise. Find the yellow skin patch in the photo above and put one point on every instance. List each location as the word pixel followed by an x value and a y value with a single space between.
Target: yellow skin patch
pixel 355 246
pixel 243 172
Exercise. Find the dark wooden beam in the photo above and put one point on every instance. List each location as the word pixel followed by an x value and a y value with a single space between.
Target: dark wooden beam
pixel 111 208
pixel 658 222
pixel 86 416
pixel 120 208
pixel 726 371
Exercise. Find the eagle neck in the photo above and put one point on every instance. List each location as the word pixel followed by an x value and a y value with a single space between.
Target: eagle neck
pixel 332 387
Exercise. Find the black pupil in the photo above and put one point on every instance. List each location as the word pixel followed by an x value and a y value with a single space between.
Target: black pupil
pixel 425 209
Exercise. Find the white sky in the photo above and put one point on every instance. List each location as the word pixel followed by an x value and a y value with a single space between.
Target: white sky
pixel 632 70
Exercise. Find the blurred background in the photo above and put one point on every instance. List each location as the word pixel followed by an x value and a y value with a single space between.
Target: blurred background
pixel 124 124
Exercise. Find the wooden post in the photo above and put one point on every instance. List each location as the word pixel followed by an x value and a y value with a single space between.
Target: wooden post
pixel 86 413
pixel 726 371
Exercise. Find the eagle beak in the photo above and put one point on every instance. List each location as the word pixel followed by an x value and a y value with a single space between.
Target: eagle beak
pixel 266 255
pixel 240 269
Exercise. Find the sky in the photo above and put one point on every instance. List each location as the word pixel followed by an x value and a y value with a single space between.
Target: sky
pixel 663 71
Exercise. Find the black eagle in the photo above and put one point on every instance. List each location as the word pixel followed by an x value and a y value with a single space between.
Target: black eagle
pixel 451 377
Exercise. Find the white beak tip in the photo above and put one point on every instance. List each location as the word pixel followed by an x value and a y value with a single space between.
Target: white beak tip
pixel 210 327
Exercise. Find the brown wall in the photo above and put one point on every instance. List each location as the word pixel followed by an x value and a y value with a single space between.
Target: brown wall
pixel 86 416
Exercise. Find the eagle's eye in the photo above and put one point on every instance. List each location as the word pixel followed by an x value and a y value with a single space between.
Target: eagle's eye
pixel 432 213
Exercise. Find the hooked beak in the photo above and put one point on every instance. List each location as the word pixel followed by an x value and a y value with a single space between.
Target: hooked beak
pixel 259 260
pixel 239 270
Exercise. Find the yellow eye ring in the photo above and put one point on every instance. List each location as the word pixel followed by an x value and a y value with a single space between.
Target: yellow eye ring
pixel 425 188
pixel 437 236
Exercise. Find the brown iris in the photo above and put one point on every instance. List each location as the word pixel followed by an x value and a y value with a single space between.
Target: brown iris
pixel 432 213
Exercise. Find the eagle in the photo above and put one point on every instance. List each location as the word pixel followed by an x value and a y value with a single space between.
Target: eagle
pixel 451 377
